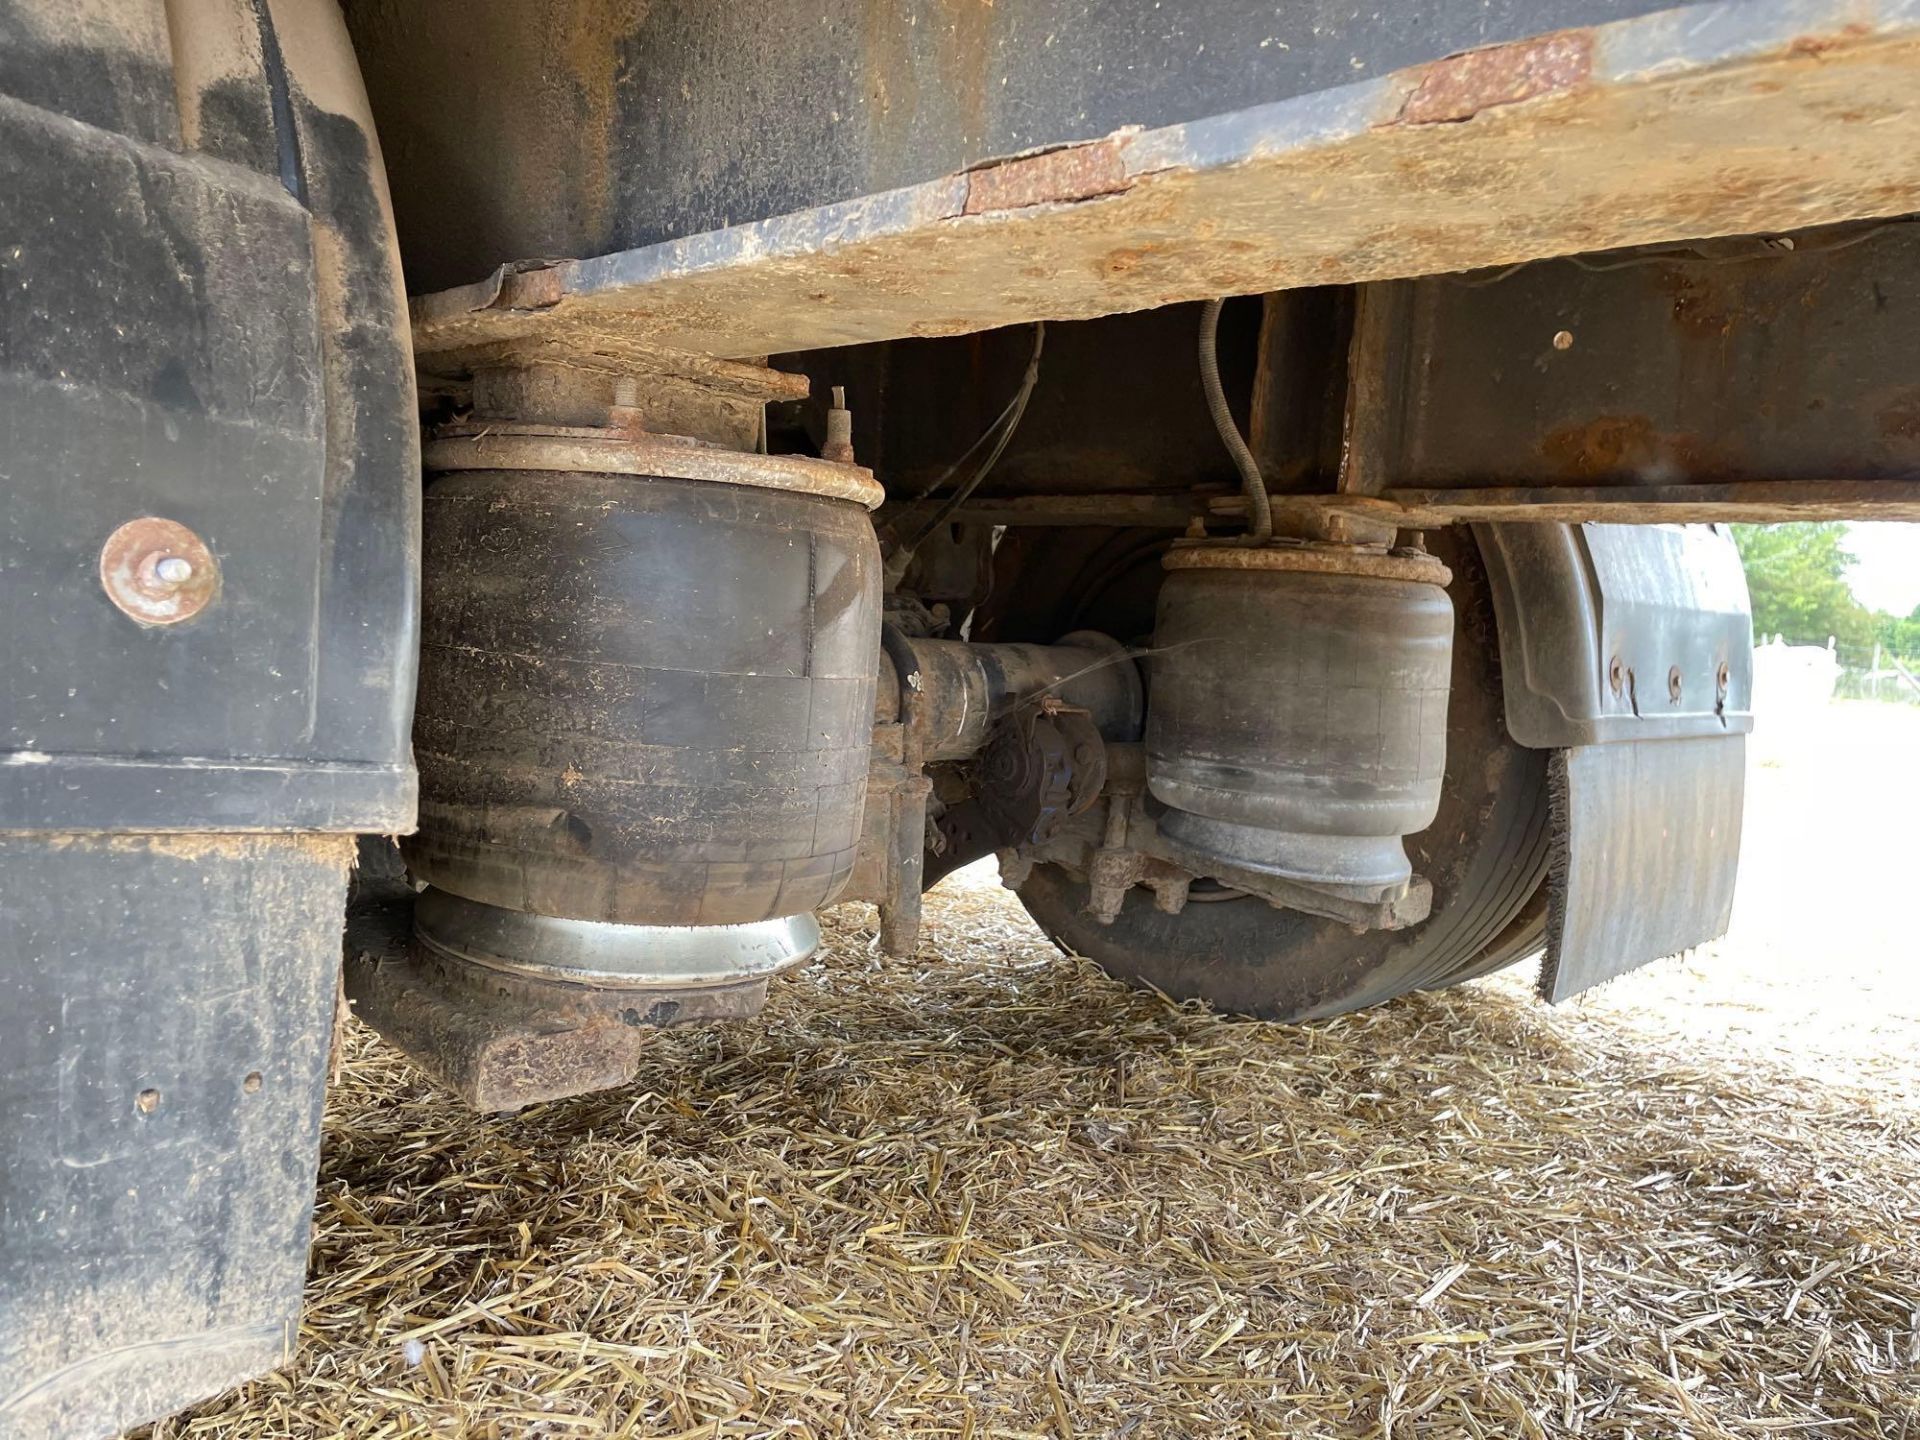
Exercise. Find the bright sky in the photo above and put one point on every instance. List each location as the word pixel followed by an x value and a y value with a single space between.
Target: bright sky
pixel 1886 572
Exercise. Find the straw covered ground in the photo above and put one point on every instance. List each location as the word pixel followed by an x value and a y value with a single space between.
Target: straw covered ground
pixel 987 1192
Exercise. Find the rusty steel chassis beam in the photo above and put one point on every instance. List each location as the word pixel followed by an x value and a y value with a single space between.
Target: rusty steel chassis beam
pixel 1715 119
pixel 1759 501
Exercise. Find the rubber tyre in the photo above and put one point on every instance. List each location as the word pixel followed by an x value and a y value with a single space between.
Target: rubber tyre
pixel 1485 854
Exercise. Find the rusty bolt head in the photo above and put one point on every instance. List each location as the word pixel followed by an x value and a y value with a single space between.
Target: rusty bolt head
pixel 1673 684
pixel 839 442
pixel 158 572
pixel 1616 674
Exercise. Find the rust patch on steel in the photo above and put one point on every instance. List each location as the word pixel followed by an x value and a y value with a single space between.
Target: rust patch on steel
pixel 1461 86
pixel 495 445
pixel 1899 419
pixel 1076 172
pixel 1312 558
pixel 1697 309
pixel 531 285
pixel 1605 445
pixel 1804 45
pixel 158 572
pixel 1632 449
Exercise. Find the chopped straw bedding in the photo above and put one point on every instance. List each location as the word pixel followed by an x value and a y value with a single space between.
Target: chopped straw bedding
pixel 990 1193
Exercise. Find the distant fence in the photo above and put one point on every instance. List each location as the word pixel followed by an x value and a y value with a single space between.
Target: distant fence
pixel 1802 675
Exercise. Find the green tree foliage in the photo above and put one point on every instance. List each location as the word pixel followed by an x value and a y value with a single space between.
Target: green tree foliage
pixel 1798 577
pixel 1899 637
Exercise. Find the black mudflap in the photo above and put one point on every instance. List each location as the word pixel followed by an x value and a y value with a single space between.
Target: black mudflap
pixel 165 1008
pixel 1646 843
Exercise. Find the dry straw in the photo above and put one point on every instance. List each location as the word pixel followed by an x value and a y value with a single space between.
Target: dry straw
pixel 989 1193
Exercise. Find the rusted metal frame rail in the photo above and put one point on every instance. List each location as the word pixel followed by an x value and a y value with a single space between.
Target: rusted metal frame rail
pixel 1759 501
pixel 1752 116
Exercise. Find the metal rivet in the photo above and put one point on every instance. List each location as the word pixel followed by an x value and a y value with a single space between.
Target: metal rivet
pixel 174 570
pixel 1720 678
pixel 1673 684
pixel 252 1083
pixel 1563 340
pixel 1616 674
pixel 147 1101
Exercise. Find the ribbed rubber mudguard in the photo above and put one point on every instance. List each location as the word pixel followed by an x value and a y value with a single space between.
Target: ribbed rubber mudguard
pixel 1646 842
